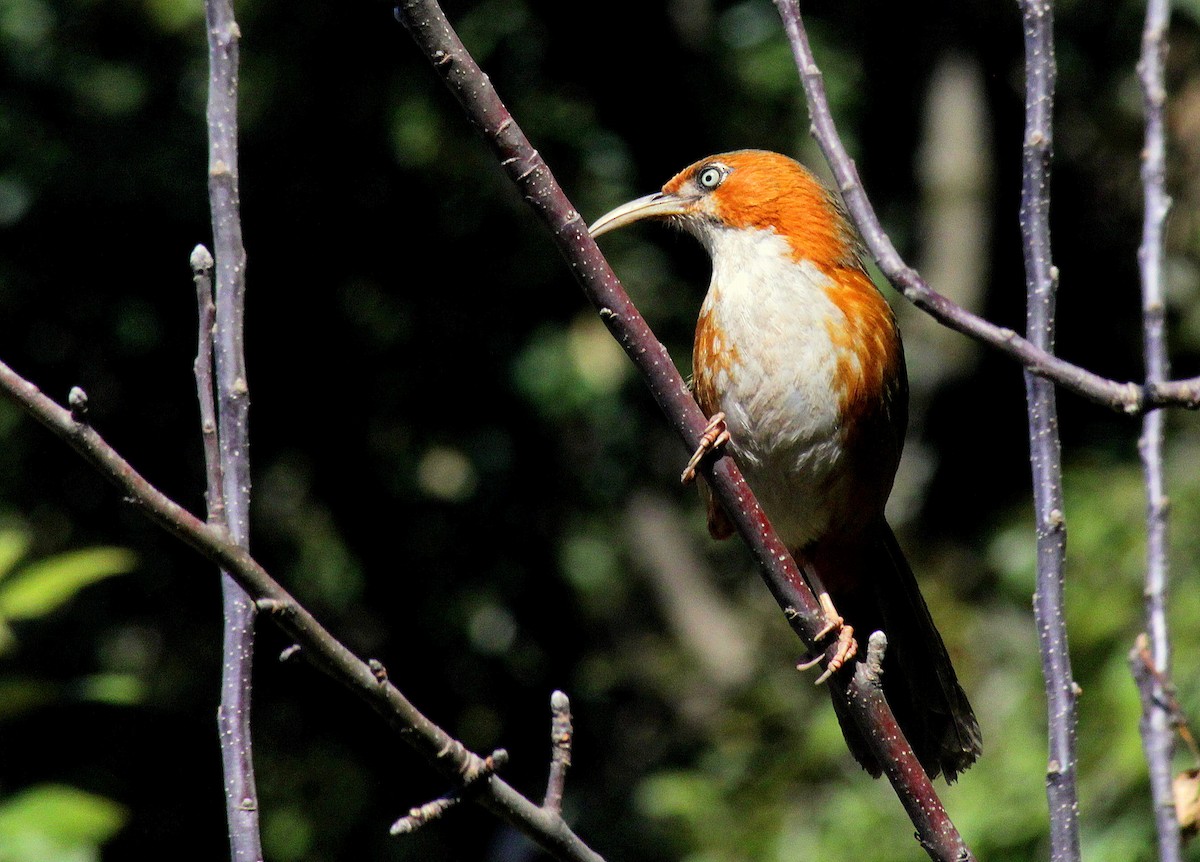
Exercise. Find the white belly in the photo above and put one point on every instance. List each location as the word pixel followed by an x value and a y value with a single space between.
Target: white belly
pixel 779 398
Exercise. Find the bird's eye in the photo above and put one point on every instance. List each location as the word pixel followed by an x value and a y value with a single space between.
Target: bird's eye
pixel 710 177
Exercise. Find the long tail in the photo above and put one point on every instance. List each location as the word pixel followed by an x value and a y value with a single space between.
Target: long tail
pixel 879 591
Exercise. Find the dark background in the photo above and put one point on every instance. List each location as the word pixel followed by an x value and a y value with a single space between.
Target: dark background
pixel 457 472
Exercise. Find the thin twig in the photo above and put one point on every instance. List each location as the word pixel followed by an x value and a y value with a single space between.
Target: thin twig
pixel 202 266
pixel 1158 737
pixel 428 26
pixel 232 396
pixel 560 750
pixel 324 651
pixel 1124 397
pixel 1041 279
pixel 418 817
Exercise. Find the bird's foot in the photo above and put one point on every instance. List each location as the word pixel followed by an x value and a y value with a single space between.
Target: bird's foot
pixel 714 437
pixel 845 649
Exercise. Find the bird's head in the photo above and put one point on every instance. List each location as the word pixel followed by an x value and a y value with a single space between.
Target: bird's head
pixel 748 190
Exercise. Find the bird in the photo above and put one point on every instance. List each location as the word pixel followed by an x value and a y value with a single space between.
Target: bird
pixel 799 365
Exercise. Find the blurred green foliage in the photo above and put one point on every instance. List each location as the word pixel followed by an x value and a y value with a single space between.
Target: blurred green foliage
pixel 447 443
pixel 50 822
pixel 53 823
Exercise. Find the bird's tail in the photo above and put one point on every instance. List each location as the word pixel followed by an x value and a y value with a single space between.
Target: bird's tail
pixel 918 678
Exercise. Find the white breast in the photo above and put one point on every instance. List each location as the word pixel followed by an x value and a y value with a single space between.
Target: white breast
pixel 778 395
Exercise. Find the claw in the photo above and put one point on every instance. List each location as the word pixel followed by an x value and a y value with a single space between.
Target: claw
pixel 714 437
pixel 809 664
pixel 847 646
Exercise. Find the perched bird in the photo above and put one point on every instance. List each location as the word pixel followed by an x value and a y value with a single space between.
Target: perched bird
pixel 798 361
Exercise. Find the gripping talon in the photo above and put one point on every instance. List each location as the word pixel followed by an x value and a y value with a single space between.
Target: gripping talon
pixel 714 437
pixel 847 648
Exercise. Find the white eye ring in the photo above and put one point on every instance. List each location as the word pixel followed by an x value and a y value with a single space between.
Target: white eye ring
pixel 710 177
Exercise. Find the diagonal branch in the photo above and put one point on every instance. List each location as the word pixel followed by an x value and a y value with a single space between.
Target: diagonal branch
pixel 1128 398
pixel 322 649
pixel 1157 725
pixel 436 38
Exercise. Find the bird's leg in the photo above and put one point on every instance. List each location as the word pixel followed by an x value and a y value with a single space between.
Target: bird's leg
pixel 714 437
pixel 847 646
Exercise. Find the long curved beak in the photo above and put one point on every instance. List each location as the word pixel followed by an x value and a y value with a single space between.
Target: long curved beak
pixel 657 205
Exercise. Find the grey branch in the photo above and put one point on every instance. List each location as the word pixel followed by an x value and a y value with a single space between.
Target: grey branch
pixel 202 265
pixel 229 484
pixel 1041 279
pixel 1157 724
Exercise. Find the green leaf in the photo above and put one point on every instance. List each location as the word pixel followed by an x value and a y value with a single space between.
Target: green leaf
pixel 56 823
pixel 40 587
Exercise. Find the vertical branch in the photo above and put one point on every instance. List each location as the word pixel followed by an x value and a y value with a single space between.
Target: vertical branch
pixel 1157 725
pixel 1041 278
pixel 241 798
pixel 202 266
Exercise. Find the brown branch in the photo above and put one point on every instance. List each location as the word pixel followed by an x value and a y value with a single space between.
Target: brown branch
pixel 1127 398
pixel 935 831
pixel 437 40
pixel 325 652
pixel 1158 737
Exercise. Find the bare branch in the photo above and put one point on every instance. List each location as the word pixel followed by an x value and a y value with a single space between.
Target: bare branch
pixel 1157 724
pixel 232 389
pixel 1124 397
pixel 1041 278
pixel 202 265
pixel 935 831
pixel 232 396
pixel 322 649
pixel 433 34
